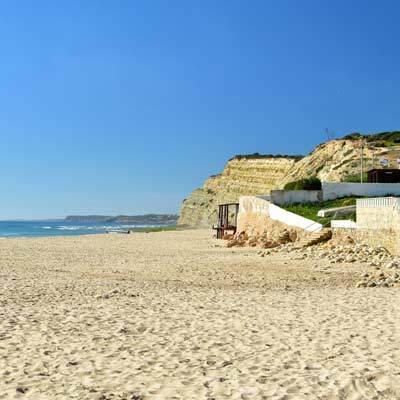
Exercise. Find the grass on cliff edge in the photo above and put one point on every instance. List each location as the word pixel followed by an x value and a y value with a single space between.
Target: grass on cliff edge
pixel 381 139
pixel 310 210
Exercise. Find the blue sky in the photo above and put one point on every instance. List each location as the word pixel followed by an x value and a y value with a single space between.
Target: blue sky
pixel 126 106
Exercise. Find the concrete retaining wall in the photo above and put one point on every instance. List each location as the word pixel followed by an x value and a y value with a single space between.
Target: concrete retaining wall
pixel 283 197
pixel 333 191
pixel 279 214
pixel 387 238
pixel 253 216
pixel 378 224
pixel 378 214
pixel 343 224
pixel 256 214
pixel 337 211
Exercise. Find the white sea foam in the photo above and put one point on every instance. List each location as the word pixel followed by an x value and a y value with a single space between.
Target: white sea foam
pixel 69 228
pixel 96 227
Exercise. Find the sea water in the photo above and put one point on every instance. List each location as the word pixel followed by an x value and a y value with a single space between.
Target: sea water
pixel 60 228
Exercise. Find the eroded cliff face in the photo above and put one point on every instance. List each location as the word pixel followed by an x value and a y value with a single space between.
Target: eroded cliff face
pixel 334 160
pixel 245 176
pixel 331 162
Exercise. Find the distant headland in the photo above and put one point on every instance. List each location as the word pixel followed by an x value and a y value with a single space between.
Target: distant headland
pixel 147 219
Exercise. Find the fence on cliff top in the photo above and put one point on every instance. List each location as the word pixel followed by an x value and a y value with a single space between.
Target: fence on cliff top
pixel 378 202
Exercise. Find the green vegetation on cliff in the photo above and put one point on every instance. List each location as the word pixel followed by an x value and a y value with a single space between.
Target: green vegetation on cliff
pixel 310 210
pixel 295 157
pixel 382 139
pixel 355 178
pixel 312 183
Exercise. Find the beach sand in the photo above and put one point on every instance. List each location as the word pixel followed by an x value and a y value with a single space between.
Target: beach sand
pixel 174 315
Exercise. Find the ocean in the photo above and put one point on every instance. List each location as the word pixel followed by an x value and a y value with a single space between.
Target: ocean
pixel 60 228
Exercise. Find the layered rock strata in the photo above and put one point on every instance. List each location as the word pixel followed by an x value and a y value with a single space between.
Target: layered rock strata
pixel 332 161
pixel 244 176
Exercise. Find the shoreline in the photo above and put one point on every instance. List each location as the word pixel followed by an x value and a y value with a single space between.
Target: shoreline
pixel 150 229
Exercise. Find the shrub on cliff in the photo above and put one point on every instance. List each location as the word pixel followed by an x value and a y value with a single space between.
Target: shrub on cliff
pixel 355 178
pixel 381 139
pixel 312 183
pixel 295 157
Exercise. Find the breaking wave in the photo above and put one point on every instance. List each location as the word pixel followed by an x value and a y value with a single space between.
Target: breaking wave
pixel 96 228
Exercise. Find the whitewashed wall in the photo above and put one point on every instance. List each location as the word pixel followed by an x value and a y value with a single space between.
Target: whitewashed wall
pixel 334 190
pixel 379 213
pixel 282 197
pixel 253 204
pixel 279 214
pixel 254 212
pixel 343 224
pixel 253 216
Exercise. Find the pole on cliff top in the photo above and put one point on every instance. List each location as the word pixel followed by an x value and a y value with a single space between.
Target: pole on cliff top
pixel 362 144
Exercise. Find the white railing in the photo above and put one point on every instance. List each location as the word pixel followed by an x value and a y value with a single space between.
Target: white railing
pixel 379 202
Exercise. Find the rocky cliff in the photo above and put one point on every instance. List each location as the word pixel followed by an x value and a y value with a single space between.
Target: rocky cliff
pixel 241 176
pixel 338 160
pixel 334 161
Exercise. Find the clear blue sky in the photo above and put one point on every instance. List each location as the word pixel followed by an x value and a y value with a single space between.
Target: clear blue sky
pixel 126 106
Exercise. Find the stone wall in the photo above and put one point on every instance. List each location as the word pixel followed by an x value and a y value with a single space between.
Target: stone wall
pixel 378 224
pixel 387 238
pixel 378 213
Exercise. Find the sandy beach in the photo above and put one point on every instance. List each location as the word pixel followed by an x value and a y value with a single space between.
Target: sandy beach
pixel 175 315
